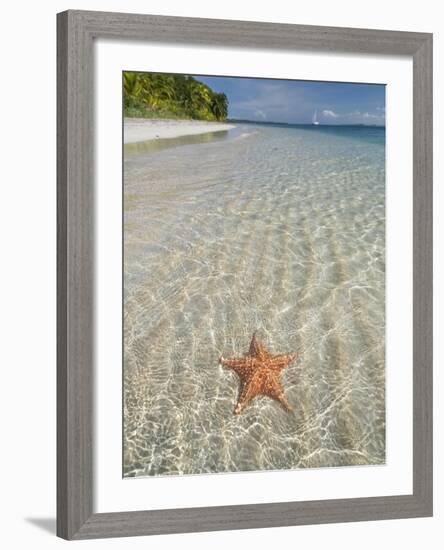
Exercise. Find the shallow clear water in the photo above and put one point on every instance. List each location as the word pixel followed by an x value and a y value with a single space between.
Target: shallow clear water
pixel 269 228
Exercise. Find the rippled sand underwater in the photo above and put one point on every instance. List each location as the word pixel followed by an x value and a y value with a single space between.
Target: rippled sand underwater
pixel 280 230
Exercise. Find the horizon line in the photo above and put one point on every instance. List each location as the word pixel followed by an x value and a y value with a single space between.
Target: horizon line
pixel 303 123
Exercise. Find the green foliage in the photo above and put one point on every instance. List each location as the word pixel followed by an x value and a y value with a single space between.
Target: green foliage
pixel 152 95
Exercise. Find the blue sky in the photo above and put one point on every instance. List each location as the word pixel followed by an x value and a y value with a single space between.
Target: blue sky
pixel 295 101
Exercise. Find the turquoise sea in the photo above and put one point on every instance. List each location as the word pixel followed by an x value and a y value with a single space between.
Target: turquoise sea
pixel 274 228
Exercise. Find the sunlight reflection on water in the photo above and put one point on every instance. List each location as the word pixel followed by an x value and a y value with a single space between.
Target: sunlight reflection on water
pixel 276 229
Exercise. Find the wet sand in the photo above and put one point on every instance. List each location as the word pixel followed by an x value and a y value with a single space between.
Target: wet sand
pixel 139 129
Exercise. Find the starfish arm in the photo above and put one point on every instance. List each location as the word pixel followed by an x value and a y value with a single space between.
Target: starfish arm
pixel 241 366
pixel 279 362
pixel 273 389
pixel 249 391
pixel 257 348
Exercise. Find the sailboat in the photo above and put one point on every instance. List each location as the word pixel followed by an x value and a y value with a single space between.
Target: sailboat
pixel 314 120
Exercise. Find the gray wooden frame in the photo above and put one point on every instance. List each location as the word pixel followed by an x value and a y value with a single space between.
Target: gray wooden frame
pixel 76 32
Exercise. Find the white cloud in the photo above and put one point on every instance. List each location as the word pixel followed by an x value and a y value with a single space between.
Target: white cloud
pixel 355 117
pixel 275 100
pixel 368 115
pixel 259 113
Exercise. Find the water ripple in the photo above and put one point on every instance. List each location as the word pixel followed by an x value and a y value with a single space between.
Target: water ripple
pixel 282 232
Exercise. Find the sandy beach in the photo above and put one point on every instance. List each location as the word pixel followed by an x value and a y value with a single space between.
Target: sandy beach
pixel 138 129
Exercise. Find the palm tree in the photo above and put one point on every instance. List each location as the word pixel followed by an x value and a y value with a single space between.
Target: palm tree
pixel 219 106
pixel 201 95
pixel 132 85
pixel 180 94
pixel 165 87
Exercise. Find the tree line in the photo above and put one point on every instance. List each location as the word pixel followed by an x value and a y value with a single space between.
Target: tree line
pixel 153 95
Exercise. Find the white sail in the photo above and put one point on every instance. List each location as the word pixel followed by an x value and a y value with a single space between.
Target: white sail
pixel 314 120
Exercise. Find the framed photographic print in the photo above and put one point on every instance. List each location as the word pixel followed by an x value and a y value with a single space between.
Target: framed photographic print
pixel 244 274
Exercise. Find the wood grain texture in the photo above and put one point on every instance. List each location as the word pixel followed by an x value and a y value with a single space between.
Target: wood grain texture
pixel 423 274
pixel 62 294
pixel 254 516
pixel 75 276
pixel 228 33
pixel 76 32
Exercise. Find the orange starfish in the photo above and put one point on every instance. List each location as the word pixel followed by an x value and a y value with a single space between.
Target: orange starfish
pixel 259 372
